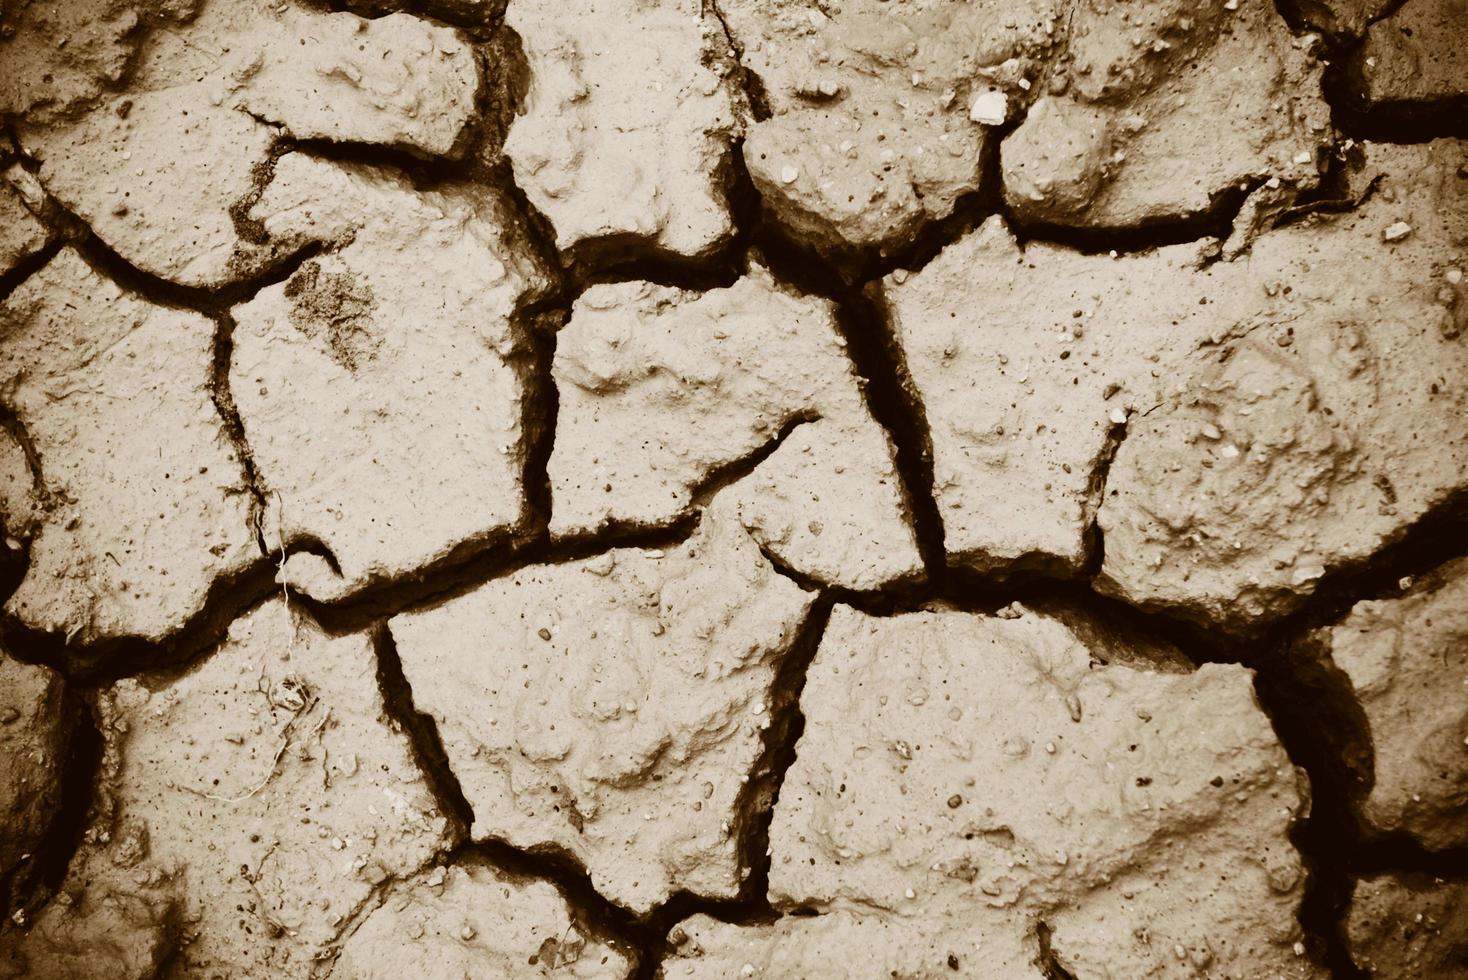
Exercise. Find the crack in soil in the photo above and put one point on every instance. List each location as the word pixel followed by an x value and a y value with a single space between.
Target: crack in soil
pixel 1310 705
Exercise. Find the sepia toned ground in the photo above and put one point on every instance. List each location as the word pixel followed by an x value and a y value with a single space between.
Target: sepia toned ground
pixel 734 488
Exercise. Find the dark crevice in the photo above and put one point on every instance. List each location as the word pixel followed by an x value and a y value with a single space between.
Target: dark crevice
pixel 1385 122
pixel 1216 221
pixel 1047 961
pixel 32 883
pixel 1319 724
pixel 27 267
pixel 234 427
pixel 1341 86
pixel 104 661
pixel 1400 852
pixel 475 565
pixel 303 543
pixel 423 172
pixel 423 737
pixel 467 17
pixel 629 259
pixel 755 807
pixel 1095 540
pixel 603 919
pixel 1335 193
pixel 213 303
pixel 752 85
pixel 892 399
pixel 541 409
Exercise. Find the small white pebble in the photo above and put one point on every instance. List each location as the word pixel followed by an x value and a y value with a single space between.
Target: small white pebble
pixel 1299 948
pixel 1455 276
pixel 1117 416
pixel 789 174
pixel 1302 157
pixel 1397 232
pixel 990 108
pixel 1210 431
pixel 910 893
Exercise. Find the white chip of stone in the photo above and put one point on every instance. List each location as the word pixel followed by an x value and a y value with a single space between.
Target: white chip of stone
pixel 1397 232
pixel 788 174
pixel 990 108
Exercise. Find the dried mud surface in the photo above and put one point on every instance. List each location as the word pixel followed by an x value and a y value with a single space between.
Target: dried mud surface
pixel 709 489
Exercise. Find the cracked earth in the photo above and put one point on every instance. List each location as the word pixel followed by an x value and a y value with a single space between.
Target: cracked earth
pixel 703 489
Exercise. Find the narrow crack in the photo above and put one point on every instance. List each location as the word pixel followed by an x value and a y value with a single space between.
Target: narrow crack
pixel 213 302
pixel 1095 538
pixel 643 937
pixel 749 81
pixel 423 736
pixel 891 397
pixel 27 267
pixel 222 395
pixel 26 888
pixel 1047 961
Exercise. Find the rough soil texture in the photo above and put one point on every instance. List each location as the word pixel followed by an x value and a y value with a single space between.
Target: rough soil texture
pixel 662 390
pixel 1407 662
pixel 623 140
pixel 1415 56
pixel 966 781
pixel 474 921
pixel 359 371
pixel 700 489
pixel 139 504
pixel 35 729
pixel 1410 926
pixel 642 683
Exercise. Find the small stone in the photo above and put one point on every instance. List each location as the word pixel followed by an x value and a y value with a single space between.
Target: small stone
pixel 1396 232
pixel 991 108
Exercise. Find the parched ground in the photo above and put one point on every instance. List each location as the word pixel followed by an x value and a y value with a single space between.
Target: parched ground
pixel 708 489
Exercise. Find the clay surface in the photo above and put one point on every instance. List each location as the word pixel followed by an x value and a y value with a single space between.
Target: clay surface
pixel 1409 926
pixel 164 145
pixel 1160 108
pixel 964 778
pixel 624 137
pixel 1414 56
pixel 35 727
pixel 1407 662
pixel 473 921
pixel 645 677
pixel 126 541
pixel 248 811
pixel 21 233
pixel 662 390
pixel 872 130
pixel 1184 406
pixel 396 352
pixel 685 489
